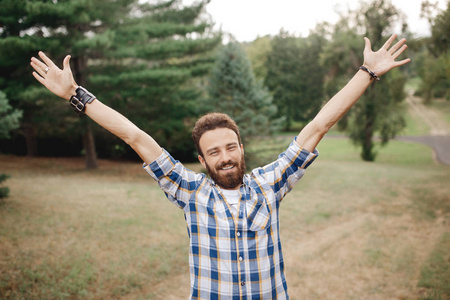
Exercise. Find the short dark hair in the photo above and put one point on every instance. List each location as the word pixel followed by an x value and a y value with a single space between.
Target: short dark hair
pixel 209 122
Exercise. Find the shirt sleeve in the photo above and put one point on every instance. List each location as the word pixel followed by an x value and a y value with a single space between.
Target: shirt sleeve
pixel 177 182
pixel 287 170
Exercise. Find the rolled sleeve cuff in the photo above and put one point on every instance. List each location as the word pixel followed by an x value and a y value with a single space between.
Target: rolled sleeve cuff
pixel 161 167
pixel 300 156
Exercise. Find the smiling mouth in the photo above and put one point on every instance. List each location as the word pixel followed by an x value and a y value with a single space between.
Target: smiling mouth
pixel 227 168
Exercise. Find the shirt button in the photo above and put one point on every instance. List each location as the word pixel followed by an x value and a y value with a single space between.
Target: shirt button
pixel 238 234
pixel 242 283
pixel 240 258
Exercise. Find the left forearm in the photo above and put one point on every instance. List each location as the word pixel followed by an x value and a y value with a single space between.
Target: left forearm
pixel 333 111
pixel 380 62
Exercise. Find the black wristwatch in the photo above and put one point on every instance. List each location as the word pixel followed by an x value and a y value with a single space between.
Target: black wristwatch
pixel 80 100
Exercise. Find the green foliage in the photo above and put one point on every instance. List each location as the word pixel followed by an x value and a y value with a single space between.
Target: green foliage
pixel 380 110
pixel 234 90
pixel 140 58
pixel 4 191
pixel 257 52
pixel 149 68
pixel 434 64
pixel 9 120
pixel 295 77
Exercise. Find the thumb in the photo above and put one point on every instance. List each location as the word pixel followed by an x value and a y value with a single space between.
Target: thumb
pixel 368 46
pixel 66 62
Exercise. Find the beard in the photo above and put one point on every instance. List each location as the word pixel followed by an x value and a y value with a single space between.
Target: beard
pixel 230 180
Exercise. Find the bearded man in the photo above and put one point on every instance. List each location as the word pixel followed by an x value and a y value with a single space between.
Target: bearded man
pixel 232 218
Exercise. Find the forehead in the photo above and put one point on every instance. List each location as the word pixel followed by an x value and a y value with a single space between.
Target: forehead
pixel 218 137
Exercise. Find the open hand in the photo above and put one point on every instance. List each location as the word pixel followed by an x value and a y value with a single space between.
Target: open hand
pixel 383 60
pixel 60 82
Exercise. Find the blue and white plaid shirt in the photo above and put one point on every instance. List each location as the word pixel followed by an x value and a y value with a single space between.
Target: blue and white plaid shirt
pixel 234 257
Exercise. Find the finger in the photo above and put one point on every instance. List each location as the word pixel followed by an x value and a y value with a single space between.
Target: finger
pixel 402 62
pixel 38 78
pixel 389 42
pixel 368 45
pixel 38 68
pixel 399 52
pixel 47 60
pixel 39 64
pixel 397 46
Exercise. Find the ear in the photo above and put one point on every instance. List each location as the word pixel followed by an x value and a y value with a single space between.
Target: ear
pixel 242 148
pixel 202 161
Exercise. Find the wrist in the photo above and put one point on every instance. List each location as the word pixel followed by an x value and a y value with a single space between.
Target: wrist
pixel 80 99
pixel 373 75
pixel 72 91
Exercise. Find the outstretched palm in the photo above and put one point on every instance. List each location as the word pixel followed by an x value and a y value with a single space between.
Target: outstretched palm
pixel 60 82
pixel 383 60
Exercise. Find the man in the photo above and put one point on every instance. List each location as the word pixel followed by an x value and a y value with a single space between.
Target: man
pixel 232 218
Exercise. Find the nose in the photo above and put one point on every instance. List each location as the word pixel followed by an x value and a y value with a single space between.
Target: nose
pixel 225 157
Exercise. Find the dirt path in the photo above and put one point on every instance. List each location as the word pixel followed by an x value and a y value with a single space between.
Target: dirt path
pixel 438 127
pixel 439 138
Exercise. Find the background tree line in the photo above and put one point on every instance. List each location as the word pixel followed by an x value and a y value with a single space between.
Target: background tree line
pixel 162 65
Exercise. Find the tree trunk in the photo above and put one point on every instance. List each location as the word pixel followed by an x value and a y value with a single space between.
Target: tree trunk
pixel 89 148
pixel 30 139
pixel 80 64
pixel 367 147
pixel 367 153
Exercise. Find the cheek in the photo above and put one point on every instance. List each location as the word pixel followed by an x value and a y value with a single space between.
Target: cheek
pixel 211 162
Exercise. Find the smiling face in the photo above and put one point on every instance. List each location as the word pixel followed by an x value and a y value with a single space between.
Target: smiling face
pixel 223 157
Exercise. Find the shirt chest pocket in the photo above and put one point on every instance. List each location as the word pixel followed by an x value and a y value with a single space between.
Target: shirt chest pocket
pixel 220 211
pixel 258 208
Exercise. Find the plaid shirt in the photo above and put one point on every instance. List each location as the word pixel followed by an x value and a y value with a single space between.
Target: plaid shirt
pixel 234 257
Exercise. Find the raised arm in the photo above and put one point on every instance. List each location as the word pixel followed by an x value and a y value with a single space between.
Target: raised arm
pixel 61 83
pixel 378 62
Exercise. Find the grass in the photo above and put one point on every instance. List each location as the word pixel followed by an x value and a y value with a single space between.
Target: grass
pixel 362 230
pixel 435 274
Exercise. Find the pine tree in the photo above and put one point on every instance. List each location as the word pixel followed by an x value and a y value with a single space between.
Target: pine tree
pixel 150 68
pixel 234 90
pixel 136 57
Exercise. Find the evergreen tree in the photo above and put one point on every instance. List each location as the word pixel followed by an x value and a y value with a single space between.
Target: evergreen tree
pixel 9 120
pixel 133 56
pixel 150 70
pixel 234 90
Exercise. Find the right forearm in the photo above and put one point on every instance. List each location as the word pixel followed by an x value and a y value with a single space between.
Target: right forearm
pixel 144 145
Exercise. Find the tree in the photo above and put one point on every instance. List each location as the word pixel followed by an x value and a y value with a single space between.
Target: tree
pixel 434 64
pixel 57 27
pixel 380 109
pixel 9 120
pixel 295 77
pixel 257 51
pixel 135 56
pixel 150 68
pixel 234 90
